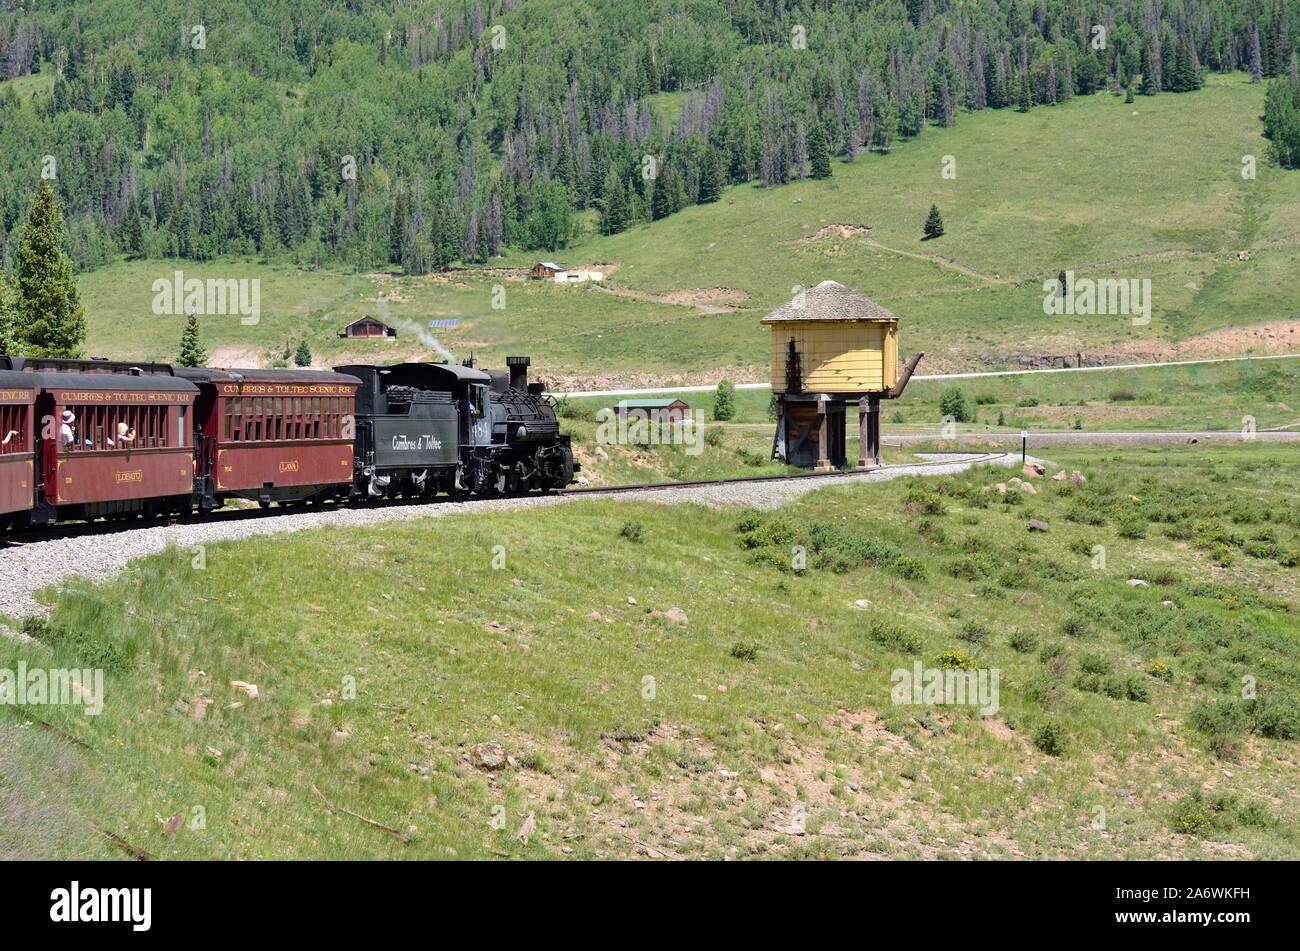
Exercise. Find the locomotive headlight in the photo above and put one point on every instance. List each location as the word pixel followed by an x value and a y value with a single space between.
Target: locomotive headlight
pixel 521 432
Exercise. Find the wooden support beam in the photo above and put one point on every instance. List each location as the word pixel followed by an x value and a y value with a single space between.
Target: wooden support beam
pixel 823 435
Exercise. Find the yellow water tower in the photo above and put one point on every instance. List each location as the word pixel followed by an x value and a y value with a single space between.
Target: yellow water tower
pixel 832 346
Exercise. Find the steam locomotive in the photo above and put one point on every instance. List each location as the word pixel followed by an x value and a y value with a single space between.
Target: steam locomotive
pixel 86 439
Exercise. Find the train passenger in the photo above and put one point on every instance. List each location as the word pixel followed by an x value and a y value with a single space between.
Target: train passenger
pixel 125 434
pixel 66 435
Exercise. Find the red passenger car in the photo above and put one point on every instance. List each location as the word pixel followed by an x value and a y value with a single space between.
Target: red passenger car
pixel 274 435
pixel 113 443
pixel 17 460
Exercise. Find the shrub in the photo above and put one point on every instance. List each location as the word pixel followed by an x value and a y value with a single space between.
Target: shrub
pixel 973 633
pixel 632 531
pixel 1050 738
pixel 744 650
pixel 953 403
pixel 1094 664
pixel 713 436
pixel 724 402
pixel 1160 671
pixel 1191 816
pixel 922 500
pixel 909 567
pixel 1276 717
pixel 1132 528
pixel 956 660
pixel 1023 642
pixel 1076 626
pixel 892 635
pixel 1223 718
pixel 1122 396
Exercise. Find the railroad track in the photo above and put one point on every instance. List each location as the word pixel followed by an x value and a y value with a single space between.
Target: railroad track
pixel 18 538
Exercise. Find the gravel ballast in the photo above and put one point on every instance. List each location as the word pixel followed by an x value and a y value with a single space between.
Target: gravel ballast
pixel 27 568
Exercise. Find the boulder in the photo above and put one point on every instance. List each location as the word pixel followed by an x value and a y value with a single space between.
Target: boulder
pixel 1060 476
pixel 488 756
pixel 1037 525
pixel 1034 470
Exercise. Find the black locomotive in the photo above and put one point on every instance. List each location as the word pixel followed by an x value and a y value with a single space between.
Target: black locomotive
pixel 425 428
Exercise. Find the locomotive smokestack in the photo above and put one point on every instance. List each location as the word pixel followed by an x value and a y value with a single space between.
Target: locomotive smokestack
pixel 518 367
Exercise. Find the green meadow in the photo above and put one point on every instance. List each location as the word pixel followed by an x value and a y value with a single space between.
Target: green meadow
pixel 1150 190
pixel 683 681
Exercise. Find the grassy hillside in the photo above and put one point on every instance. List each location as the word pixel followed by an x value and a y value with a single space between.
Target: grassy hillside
pixel 1151 190
pixel 1213 395
pixel 766 727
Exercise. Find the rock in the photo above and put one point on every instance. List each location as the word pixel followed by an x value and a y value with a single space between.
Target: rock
pixel 1037 525
pixel 1002 488
pixel 601 454
pixel 488 756
pixel 1034 469
pixel 527 828
pixel 631 600
pixel 1060 476
pixel 676 615
pixel 800 719
pixel 250 689
pixel 1137 583
pixel 595 616
pixel 862 603
pixel 740 793
pixel 1015 482
pixel 852 786
pixel 1028 488
pixel 1077 477
pixel 768 776
pixel 582 480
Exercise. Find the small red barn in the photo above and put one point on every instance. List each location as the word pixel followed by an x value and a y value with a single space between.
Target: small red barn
pixel 368 328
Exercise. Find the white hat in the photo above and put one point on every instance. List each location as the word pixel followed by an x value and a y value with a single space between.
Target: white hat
pixel 67 416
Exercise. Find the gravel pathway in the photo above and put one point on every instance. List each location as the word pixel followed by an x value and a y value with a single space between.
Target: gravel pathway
pixel 29 567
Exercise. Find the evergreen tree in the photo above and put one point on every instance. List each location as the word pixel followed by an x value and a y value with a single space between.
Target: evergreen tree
pixel 8 318
pixel 933 224
pixel 711 177
pixel 51 321
pixel 613 218
pixel 132 234
pixel 1128 94
pixel 192 353
pixel 302 356
pixel 724 403
pixel 1026 98
pixel 819 153
pixel 661 203
pixel 1149 85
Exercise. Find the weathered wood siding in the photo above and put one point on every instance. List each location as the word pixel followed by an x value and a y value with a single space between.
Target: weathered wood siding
pixel 838 356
